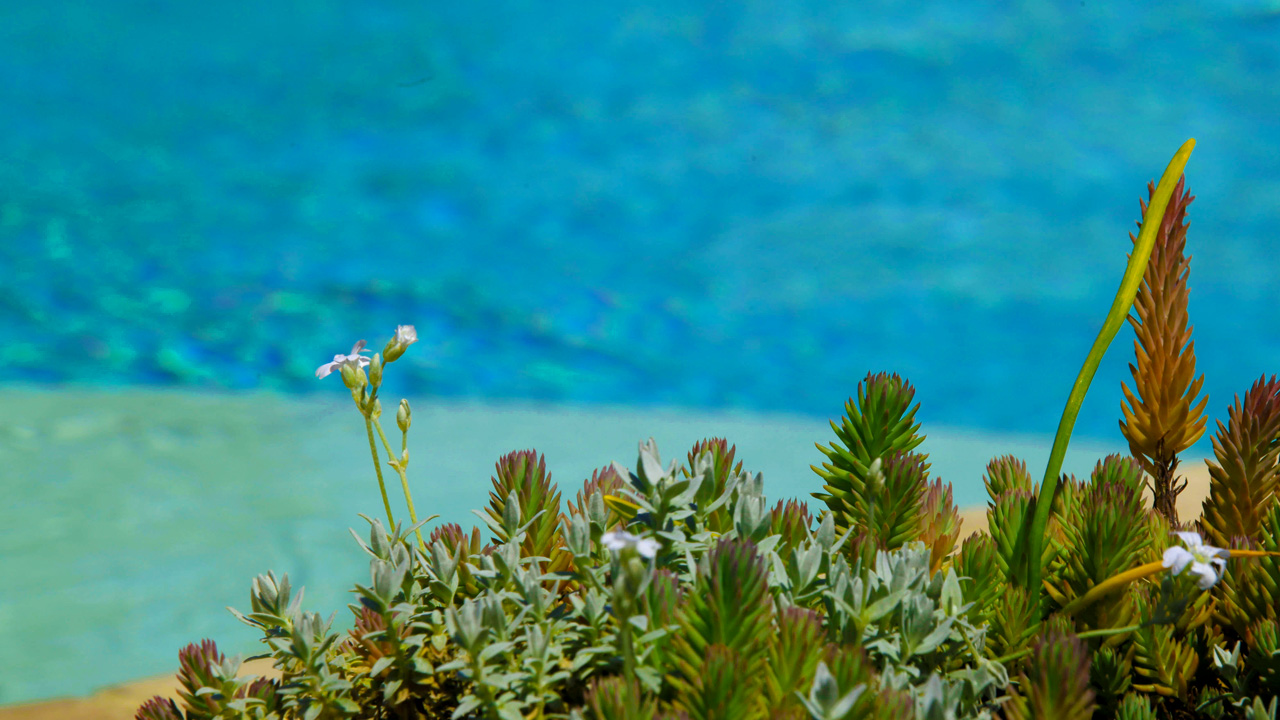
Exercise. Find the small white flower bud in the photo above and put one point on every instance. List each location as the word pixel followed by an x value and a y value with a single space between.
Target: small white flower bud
pixel 375 371
pixel 351 376
pixel 406 335
pixel 404 416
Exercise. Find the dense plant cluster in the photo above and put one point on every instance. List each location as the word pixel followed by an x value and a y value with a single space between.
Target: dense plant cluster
pixel 677 591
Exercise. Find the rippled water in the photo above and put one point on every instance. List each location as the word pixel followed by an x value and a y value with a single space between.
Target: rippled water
pixel 690 206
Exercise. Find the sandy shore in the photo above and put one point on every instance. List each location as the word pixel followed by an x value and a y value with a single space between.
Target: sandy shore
pixel 120 702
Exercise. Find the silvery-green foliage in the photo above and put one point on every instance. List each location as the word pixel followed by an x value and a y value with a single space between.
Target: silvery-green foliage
pixel 724 615
pixel 915 627
pixel 1244 691
pixel 1256 710
pixel 826 701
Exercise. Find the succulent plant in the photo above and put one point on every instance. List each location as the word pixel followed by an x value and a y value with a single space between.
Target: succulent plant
pixel 1056 687
pixel 1159 420
pixel 875 427
pixel 677 591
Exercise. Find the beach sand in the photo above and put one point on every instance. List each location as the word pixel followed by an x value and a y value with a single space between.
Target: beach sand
pixel 121 701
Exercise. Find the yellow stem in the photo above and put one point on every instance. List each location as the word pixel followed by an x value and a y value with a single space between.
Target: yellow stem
pixel 1117 582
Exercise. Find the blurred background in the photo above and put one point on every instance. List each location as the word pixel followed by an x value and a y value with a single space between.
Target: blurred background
pixel 607 221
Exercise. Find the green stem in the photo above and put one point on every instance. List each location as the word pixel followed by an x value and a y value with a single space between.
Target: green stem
pixel 1084 635
pixel 628 652
pixel 404 482
pixel 1029 547
pixel 377 467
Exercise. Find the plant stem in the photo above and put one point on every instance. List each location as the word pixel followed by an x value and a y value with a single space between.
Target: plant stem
pixel 1116 582
pixel 377 467
pixel 404 481
pixel 1029 548
pixel 628 652
pixel 1086 634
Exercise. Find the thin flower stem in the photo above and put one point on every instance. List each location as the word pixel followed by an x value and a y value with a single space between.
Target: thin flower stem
pixel 377 467
pixel 628 651
pixel 1029 547
pixel 1086 634
pixel 1104 632
pixel 404 482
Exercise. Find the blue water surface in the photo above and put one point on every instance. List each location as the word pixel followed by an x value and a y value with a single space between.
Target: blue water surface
pixel 690 204
pixel 699 205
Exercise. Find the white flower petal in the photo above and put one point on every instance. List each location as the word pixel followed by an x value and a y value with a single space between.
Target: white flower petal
pixel 338 360
pixel 1177 558
pixel 618 539
pixel 406 334
pixel 1207 576
pixel 1191 539
pixel 648 547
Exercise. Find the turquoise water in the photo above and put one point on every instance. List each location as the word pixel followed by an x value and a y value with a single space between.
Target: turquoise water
pixel 666 207
pixel 136 517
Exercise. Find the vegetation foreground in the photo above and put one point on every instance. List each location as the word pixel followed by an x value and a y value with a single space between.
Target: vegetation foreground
pixel 677 591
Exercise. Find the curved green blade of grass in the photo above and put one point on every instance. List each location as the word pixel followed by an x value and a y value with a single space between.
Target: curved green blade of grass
pixel 1029 547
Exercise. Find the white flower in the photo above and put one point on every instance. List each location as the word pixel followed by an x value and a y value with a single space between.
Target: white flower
pixel 619 539
pixel 406 335
pixel 338 360
pixel 1199 556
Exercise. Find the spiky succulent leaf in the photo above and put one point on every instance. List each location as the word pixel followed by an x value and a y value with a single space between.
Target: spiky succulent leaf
pixel 451 555
pixel 860 549
pixel 1159 420
pixel 1135 706
pixel 1242 592
pixel 615 698
pixel 1242 483
pixel 660 603
pixel 1066 512
pixel 1123 472
pixel 980 575
pixel 1006 473
pixel 1056 684
pixel 1109 537
pixel 731 607
pixel 889 506
pixel 1213 702
pixel 939 523
pixel 722 468
pixel 792 522
pixel 725 687
pixel 158 708
pixel 878 425
pixel 525 473
pixel 1162 664
pixel 1013 622
pixel 1110 675
pixel 199 667
pixel 793 656
pixel 1261 594
pixel 1262 662
pixel 607 482
pixel 1005 517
